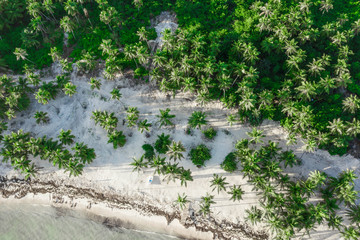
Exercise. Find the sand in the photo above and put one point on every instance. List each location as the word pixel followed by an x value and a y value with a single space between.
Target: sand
pixel 111 170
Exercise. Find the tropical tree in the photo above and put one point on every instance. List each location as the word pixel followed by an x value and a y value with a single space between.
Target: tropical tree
pixel 41 117
pixel 351 104
pixel 256 136
pixel 162 143
pixel 197 119
pixel 158 163
pixel 175 151
pixel 95 83
pixel 254 215
pixel 218 182
pixel 144 126
pixel 181 201
pixel 165 117
pixel 115 94
pixel 69 89
pixel 236 193
pixel 138 164
pixel 117 138
pixel 66 137
pixel 67 25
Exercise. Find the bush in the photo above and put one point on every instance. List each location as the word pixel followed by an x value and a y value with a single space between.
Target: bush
pixel 199 155
pixel 209 133
pixel 149 151
pixel 162 143
pixel 230 163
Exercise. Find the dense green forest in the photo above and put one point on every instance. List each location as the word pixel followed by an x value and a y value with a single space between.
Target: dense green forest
pixel 297 62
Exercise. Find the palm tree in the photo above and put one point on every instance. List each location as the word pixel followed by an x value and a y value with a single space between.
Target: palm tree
pixel 69 89
pixel 142 34
pixel 306 90
pixel 354 214
pixel 256 136
pixel 175 151
pixel 132 116
pixel 254 215
pixel 351 104
pixel 138 164
pixel 87 155
pixel 197 119
pixel 71 8
pixel 353 128
pixel 115 94
pixel 95 83
pixel 20 54
pixel 182 201
pixel 337 127
pixel 218 182
pixel 350 233
pixel 326 5
pixel 205 204
pixel 117 138
pixel 106 46
pixel 185 176
pixel 144 126
pixel 236 193
pixel 67 25
pixel 66 137
pixel 289 158
pixel 164 117
pixel 158 163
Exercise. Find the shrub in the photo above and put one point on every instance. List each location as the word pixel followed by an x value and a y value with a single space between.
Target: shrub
pixel 230 163
pixel 199 155
pixel 209 133
pixel 162 143
pixel 149 151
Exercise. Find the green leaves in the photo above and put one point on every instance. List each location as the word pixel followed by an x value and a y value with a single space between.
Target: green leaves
pixel 197 119
pixel 165 117
pixel 199 155
pixel 117 138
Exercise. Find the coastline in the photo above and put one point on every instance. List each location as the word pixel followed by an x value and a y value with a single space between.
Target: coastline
pixel 114 210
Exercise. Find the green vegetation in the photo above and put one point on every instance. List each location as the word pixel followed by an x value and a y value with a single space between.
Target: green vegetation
pixel 197 119
pixel 209 133
pixel 199 155
pixel 230 162
pixel 162 143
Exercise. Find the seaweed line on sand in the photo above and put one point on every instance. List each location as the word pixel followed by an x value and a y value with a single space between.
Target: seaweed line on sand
pixel 19 188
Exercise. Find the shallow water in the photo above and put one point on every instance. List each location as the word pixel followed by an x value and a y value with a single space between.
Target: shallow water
pixel 18 222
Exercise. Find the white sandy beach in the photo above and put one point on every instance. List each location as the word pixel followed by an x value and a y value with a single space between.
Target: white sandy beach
pixel 111 172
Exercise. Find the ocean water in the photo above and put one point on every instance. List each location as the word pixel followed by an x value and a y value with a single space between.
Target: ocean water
pixel 34 222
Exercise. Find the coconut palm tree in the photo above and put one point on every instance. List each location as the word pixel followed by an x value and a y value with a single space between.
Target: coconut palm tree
pixel 115 94
pixel 181 201
pixel 256 136
pixel 175 151
pixel 164 117
pixel 158 163
pixel 218 182
pixel 66 137
pixel 69 89
pixel 254 215
pixel 236 193
pixel 95 83
pixel 326 5
pixel 197 119
pixel 138 164
pixel 351 104
pixel 353 213
pixel 353 128
pixel 67 25
pixel 350 233
pixel 185 176
pixel 144 126
pixel 307 90
pixel 117 138
pixel 20 54
pixel 337 127
pixel 83 152
pixel 205 204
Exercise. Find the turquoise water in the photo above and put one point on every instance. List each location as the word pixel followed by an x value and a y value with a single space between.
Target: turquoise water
pixel 34 222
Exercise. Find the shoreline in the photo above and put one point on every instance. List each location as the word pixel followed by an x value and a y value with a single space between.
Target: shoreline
pixel 115 210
